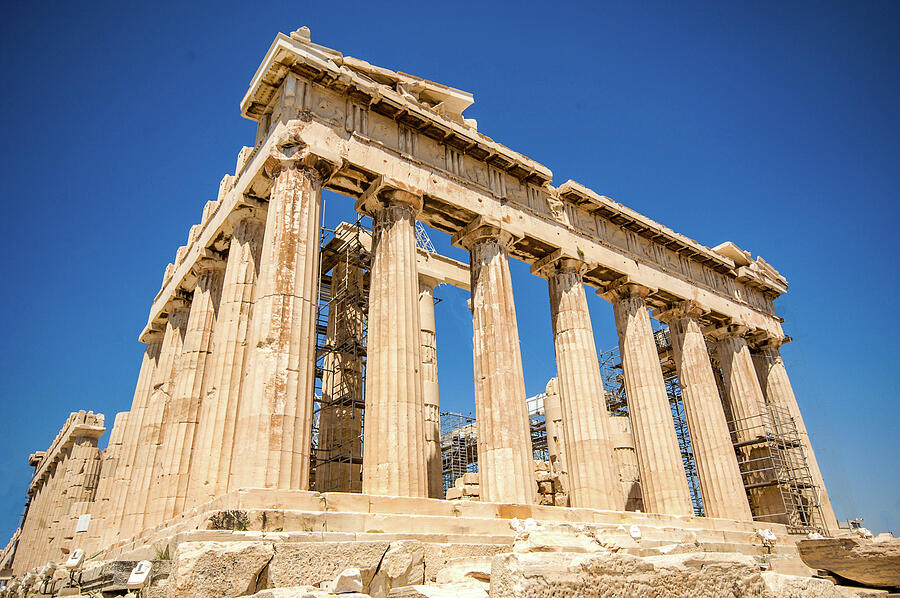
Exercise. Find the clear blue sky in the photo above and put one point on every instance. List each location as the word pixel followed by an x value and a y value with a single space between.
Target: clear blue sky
pixel 774 125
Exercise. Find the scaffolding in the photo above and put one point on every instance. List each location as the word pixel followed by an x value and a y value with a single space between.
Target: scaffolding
pixel 459 440
pixel 771 457
pixel 775 470
pixel 341 327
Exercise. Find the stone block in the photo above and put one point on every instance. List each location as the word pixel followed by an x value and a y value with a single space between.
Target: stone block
pixel 219 569
pixel 546 575
pixel 871 562
pixel 454 493
pixel 779 585
pixel 348 581
pixel 438 555
pixel 471 589
pixel 403 565
pixel 297 564
pixel 545 487
pixel 465 569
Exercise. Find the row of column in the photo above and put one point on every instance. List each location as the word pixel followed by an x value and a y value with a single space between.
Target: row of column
pixel 225 395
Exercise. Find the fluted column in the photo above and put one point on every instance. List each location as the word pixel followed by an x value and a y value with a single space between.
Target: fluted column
pixel 430 387
pixel 170 481
pixel 149 437
pixel 743 391
pixel 111 467
pixel 720 478
pixel 663 480
pixel 221 393
pixel 505 457
pixel 589 454
pixel 553 419
pixel 777 388
pixel 275 417
pixel 394 442
pixel 122 478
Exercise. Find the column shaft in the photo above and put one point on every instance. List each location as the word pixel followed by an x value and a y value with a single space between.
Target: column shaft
pixel 110 473
pixel 122 478
pixel 720 479
pixel 745 397
pixel 276 403
pixel 394 444
pixel 553 417
pixel 589 454
pixel 149 437
pixel 221 394
pixel 431 394
pixel 170 481
pixel 663 480
pixel 778 391
pixel 505 457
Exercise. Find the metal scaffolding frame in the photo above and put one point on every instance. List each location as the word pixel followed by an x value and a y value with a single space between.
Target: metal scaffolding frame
pixel 340 357
pixel 775 470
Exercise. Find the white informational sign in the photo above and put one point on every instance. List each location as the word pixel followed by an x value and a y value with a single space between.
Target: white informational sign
pixel 83 522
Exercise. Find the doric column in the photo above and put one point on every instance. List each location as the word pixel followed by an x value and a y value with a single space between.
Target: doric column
pixel 394 454
pixel 553 419
pixel 221 394
pixel 275 413
pixel 589 455
pixel 149 437
pixel 778 391
pixel 340 418
pixel 505 457
pixel 110 471
pixel 170 481
pixel 122 477
pixel 430 388
pixel 663 480
pixel 720 479
pixel 742 389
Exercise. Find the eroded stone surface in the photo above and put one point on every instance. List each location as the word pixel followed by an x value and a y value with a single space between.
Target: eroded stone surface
pixel 219 569
pixel 295 564
pixel 869 562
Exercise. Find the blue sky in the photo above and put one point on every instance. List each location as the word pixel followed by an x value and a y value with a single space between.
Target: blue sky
pixel 774 125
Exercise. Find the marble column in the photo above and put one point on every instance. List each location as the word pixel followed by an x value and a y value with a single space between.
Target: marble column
pixel 663 481
pixel 505 457
pixel 394 434
pixel 152 432
pixel 778 391
pixel 275 414
pixel 593 479
pixel 110 473
pixel 122 478
pixel 221 393
pixel 720 479
pixel 340 418
pixel 430 388
pixel 171 480
pixel 553 419
pixel 743 391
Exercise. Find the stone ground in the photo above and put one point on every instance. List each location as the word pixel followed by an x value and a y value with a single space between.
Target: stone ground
pixel 541 562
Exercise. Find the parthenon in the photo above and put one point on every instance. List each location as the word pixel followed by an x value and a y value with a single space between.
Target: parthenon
pixel 252 399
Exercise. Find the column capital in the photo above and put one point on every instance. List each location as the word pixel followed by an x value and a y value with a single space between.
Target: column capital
pixel 290 150
pixel 247 208
pixel 483 229
pixel 559 262
pixel 387 191
pixel 767 341
pixel 680 310
pixel 210 260
pixel 624 288
pixel 733 328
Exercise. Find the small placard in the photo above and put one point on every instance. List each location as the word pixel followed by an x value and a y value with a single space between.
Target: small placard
pixel 83 522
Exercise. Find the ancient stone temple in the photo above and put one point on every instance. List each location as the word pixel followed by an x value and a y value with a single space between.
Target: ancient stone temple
pixel 304 441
